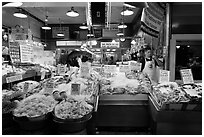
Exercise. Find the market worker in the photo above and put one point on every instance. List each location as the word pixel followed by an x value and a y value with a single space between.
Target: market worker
pixel 134 55
pixel 150 64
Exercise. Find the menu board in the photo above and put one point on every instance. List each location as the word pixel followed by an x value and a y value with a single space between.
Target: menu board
pixel 164 76
pixel 14 50
pixel 187 76
pixel 75 89
pixel 124 68
pixel 26 52
pixel 134 65
pixel 109 68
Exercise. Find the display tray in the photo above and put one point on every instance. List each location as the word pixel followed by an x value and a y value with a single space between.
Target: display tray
pixel 180 106
pixel 123 111
pixel 27 74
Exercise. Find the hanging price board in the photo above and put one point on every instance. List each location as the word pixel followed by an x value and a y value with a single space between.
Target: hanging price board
pixel 164 76
pixel 109 68
pixel 43 75
pixel 134 65
pixel 75 89
pixel 124 68
pixel 187 76
pixel 14 78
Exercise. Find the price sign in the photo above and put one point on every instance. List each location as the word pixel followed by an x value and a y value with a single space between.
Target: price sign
pixel 187 76
pixel 124 68
pixel 85 69
pixel 61 69
pixel 43 75
pixel 25 87
pixel 109 68
pixel 134 65
pixel 49 87
pixel 75 89
pixel 14 78
pixel 164 76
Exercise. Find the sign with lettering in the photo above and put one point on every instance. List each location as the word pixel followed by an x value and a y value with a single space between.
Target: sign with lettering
pixel 164 76
pixel 187 76
pixel 109 68
pixel 124 68
pixel 14 78
pixel 61 69
pixel 110 44
pixel 85 67
pixel 75 89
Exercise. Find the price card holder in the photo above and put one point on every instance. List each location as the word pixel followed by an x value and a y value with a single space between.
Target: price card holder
pixel 14 78
pixel 85 67
pixel 75 89
pixel 124 68
pixel 164 76
pixel 187 76
pixel 25 87
pixel 61 69
pixel 43 75
pixel 109 68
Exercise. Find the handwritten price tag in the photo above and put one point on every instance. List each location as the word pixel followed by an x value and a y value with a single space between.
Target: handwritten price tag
pixel 75 89
pixel 187 76
pixel 109 68
pixel 124 68
pixel 164 76
pixel 14 78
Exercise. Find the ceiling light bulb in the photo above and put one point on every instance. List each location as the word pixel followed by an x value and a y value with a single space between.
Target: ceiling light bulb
pixel 46 27
pixel 60 34
pixel 72 13
pixel 90 35
pixel 13 4
pixel 120 34
pixel 133 42
pixel 122 39
pixel 127 12
pixel 177 47
pixel 83 27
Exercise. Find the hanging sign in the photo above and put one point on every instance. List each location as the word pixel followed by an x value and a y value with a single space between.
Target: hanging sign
pixel 110 44
pixel 109 68
pixel 124 68
pixel 164 76
pixel 187 76
pixel 14 78
pixel 75 89
pixel 26 51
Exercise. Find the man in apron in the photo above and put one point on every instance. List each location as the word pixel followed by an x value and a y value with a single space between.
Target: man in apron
pixel 150 65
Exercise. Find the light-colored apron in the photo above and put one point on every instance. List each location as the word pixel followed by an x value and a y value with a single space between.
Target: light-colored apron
pixel 150 70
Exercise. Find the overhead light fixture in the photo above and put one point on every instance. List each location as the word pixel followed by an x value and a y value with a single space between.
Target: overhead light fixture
pixel 46 27
pixel 60 34
pixel 188 46
pixel 12 4
pixel 46 18
pixel 177 47
pixel 90 33
pixel 20 14
pixel 120 34
pixel 122 26
pixel 83 26
pixel 128 5
pixel 113 49
pixel 126 12
pixel 72 13
pixel 122 39
pixel 113 41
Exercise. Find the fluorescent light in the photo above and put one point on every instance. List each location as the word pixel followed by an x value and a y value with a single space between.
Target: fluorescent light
pixel 120 34
pixel 128 5
pixel 98 50
pixel 90 35
pixel 83 26
pixel 127 12
pixel 121 26
pixel 113 49
pixel 60 34
pixel 108 49
pixel 72 13
pixel 20 14
pixel 188 46
pixel 13 4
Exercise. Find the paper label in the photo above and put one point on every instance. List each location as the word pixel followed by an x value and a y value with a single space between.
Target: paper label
pixel 61 69
pixel 85 67
pixel 75 89
pixel 49 87
pixel 43 75
pixel 134 65
pixel 187 76
pixel 14 78
pixel 164 76
pixel 109 68
pixel 124 68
